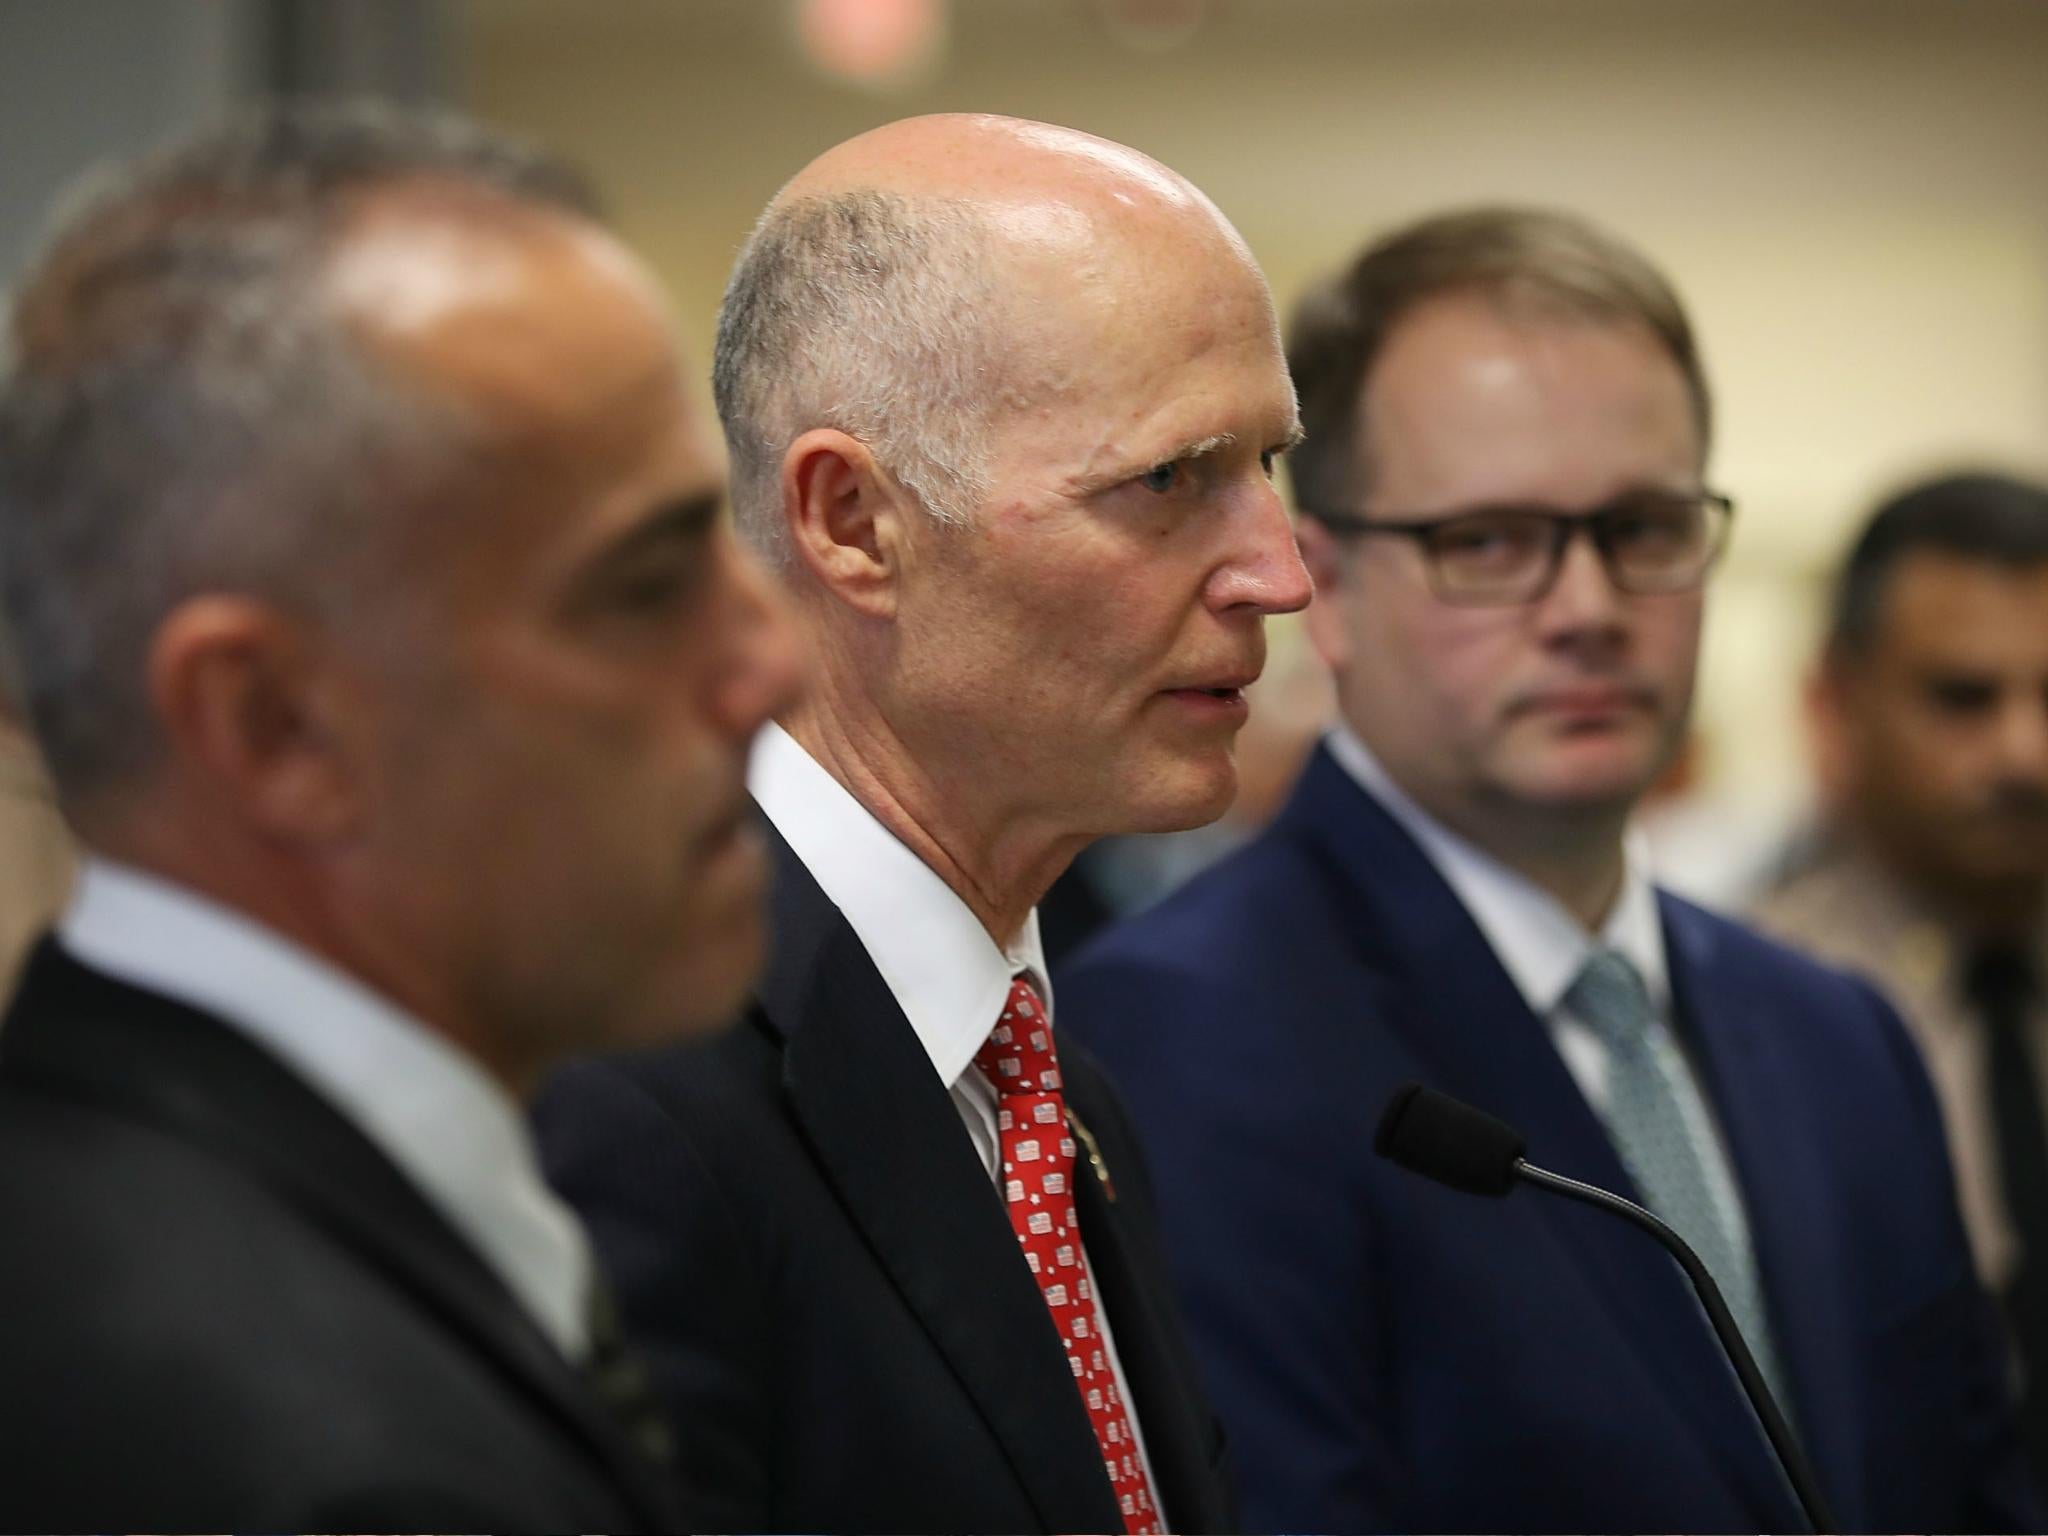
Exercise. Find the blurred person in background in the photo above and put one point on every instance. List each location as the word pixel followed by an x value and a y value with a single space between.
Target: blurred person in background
pixel 396 671
pixel 1930 873
pixel 1506 512
pixel 1003 402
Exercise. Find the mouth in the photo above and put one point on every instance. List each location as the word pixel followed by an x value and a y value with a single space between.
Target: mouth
pixel 1225 682
pixel 1589 701
pixel 1219 704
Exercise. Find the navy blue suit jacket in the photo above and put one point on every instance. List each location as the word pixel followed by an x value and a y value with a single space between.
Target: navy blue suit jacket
pixel 1389 1354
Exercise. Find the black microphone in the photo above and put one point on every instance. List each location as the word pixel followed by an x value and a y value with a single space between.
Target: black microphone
pixel 1447 1140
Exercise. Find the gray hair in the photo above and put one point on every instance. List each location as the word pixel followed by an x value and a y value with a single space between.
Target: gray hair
pixel 873 314
pixel 185 412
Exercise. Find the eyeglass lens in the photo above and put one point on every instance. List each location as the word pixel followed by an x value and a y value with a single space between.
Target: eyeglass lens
pixel 1648 544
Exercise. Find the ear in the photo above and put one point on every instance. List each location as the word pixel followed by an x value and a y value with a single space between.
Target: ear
pixel 1324 620
pixel 847 518
pixel 1828 712
pixel 251 705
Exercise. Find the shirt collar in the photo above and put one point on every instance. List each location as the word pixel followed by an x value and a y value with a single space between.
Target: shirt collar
pixel 1542 946
pixel 945 972
pixel 448 1126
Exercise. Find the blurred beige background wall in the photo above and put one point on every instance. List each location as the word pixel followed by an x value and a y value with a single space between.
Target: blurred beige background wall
pixel 1853 196
pixel 1852 193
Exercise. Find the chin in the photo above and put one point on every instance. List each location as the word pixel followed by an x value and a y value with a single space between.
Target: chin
pixel 1187 796
pixel 1598 771
pixel 728 978
pixel 704 990
pixel 1594 792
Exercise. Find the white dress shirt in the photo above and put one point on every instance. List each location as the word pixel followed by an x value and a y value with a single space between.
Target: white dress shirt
pixel 448 1126
pixel 947 975
pixel 1543 948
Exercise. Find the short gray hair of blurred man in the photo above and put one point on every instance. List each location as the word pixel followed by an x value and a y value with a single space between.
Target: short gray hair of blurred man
pixel 396 669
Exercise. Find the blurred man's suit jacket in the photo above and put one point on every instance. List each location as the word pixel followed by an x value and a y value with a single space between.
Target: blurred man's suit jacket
pixel 1389 1354
pixel 816 1265
pixel 223 1308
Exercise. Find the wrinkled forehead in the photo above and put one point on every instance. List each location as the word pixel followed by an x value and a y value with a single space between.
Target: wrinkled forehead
pixel 1090 291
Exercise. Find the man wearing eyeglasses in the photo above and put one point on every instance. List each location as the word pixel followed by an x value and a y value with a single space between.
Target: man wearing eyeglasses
pixel 1506 514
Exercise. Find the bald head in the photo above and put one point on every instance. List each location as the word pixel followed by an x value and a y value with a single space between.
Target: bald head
pixel 914 283
pixel 1005 162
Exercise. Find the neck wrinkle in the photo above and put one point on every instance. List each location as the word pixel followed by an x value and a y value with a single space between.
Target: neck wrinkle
pixel 862 752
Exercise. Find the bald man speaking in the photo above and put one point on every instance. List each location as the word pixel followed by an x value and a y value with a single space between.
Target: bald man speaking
pixel 1003 402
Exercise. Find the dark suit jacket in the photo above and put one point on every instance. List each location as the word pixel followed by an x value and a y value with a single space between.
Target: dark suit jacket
pixel 222 1308
pixel 1389 1354
pixel 826 1285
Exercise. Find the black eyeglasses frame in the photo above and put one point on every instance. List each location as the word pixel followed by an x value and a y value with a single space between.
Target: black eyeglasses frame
pixel 1564 527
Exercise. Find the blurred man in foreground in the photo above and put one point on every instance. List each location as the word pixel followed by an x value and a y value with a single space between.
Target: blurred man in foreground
pixel 396 672
pixel 36 857
pixel 1003 401
pixel 1931 712
pixel 1506 515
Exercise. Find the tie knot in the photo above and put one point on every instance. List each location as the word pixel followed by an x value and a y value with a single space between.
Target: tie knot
pixel 1610 996
pixel 1018 1055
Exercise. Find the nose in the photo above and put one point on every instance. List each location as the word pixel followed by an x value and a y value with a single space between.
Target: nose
pixel 1582 598
pixel 1264 573
pixel 767 657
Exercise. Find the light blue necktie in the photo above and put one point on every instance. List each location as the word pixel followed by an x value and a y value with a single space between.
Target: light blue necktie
pixel 1649 1129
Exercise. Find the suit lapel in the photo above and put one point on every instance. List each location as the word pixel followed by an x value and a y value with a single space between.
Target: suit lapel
pixel 1460 1013
pixel 1167 1404
pixel 75 1033
pixel 1734 1029
pixel 890 1142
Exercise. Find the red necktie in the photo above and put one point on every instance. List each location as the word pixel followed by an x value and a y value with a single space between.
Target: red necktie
pixel 1038 1190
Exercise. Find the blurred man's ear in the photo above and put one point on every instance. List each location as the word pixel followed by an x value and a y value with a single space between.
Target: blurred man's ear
pixel 254 708
pixel 848 519
pixel 1324 618
pixel 1827 701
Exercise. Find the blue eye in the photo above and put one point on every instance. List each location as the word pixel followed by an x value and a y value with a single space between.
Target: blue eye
pixel 1161 478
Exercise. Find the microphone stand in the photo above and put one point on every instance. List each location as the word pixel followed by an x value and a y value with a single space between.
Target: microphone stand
pixel 1790 1455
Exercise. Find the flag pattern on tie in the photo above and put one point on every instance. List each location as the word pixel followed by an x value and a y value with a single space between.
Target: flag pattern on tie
pixel 1038 1191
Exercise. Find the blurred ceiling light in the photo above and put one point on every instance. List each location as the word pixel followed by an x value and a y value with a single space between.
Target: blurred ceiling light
pixel 1153 25
pixel 881 44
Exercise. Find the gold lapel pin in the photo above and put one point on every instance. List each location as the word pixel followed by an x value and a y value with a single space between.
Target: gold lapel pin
pixel 1094 1155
